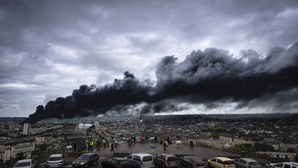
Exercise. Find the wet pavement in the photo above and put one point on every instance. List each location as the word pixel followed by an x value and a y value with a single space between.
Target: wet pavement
pixel 179 150
pixel 203 153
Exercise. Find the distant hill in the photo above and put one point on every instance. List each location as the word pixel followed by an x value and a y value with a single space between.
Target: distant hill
pixel 12 119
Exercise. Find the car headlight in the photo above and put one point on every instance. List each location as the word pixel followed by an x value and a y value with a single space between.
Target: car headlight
pixel 73 162
pixel 82 163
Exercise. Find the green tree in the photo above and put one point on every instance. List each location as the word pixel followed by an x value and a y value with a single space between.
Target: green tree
pixel 291 150
pixel 20 156
pixel 263 147
pixel 243 146
pixel 43 147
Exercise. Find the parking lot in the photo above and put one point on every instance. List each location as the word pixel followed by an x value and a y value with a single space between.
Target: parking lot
pixel 178 150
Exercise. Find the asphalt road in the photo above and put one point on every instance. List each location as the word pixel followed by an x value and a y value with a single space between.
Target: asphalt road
pixel 179 150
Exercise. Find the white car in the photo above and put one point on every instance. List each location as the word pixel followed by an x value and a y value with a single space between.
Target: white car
pixel 145 159
pixel 178 142
pixel 284 165
pixel 26 163
pixel 56 160
pixel 247 163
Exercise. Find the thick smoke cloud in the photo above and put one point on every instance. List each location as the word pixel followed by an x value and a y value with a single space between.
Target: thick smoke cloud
pixel 208 76
pixel 214 74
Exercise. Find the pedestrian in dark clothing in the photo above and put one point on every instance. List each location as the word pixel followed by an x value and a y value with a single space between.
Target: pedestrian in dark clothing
pixel 112 148
pixel 129 142
pixel 191 144
pixel 74 147
pixel 84 146
pixel 104 144
pixel 98 144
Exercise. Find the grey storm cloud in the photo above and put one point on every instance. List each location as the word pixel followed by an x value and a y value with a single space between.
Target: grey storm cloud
pixel 51 47
pixel 203 77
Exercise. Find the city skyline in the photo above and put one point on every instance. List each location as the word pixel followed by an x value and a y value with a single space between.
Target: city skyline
pixel 51 48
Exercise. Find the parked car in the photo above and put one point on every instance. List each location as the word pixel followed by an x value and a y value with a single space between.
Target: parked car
pixel 143 159
pixel 284 165
pixel 56 160
pixel 166 160
pixel 247 163
pixel 26 163
pixel 221 162
pixel 119 162
pixel 86 160
pixel 192 162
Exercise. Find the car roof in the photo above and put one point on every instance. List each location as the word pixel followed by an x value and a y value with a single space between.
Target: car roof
pixel 119 158
pixel 192 156
pixel 167 155
pixel 295 163
pixel 56 155
pixel 24 160
pixel 248 159
pixel 89 154
pixel 141 154
pixel 284 163
pixel 223 158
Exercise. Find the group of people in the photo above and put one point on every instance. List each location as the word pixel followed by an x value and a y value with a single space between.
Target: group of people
pixel 142 139
pixel 89 146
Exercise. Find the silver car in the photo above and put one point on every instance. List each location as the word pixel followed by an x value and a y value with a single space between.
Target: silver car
pixel 145 160
pixel 56 160
pixel 246 163
pixel 26 163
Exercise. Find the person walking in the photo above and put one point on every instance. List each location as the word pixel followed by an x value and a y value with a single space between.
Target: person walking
pixel 104 144
pixel 142 140
pixel 191 144
pixel 165 145
pixel 88 145
pixel 91 146
pixel 74 147
pixel 98 145
pixel 112 148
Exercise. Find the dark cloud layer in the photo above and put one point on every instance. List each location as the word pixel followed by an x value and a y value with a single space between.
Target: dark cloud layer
pixel 205 76
pixel 48 48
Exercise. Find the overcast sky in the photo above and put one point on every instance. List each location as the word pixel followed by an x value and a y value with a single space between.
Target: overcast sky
pixel 50 48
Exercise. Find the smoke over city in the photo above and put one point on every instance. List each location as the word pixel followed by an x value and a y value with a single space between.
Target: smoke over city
pixel 208 78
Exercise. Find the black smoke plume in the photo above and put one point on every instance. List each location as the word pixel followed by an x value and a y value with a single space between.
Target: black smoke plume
pixel 203 77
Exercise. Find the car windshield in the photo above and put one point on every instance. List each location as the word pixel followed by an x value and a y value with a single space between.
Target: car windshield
pixel 229 162
pixel 84 157
pixel 137 158
pixel 147 158
pixel 253 163
pixel 195 160
pixel 172 158
pixel 54 158
pixel 22 164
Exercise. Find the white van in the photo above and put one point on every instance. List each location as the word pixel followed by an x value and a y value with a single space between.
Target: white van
pixel 145 159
